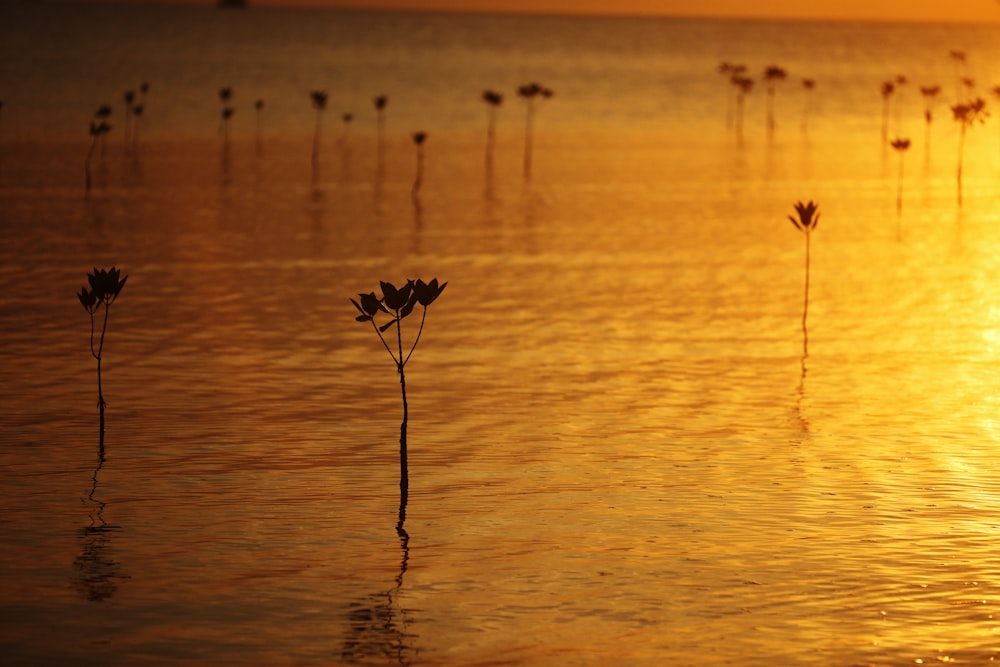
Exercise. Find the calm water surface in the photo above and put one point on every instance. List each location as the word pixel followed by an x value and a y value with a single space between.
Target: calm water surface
pixel 620 452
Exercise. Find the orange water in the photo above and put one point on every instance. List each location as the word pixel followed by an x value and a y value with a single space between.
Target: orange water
pixel 618 451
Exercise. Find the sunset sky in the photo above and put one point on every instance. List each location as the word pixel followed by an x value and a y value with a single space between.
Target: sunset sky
pixel 975 11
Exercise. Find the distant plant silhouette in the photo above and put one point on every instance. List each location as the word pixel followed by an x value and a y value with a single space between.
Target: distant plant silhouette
pixel 129 98
pixel 397 304
pixel 772 75
pixel 318 98
pixel 730 71
pixel 345 119
pixel 901 145
pixel 808 218
pixel 380 102
pixel 966 114
pixel 258 107
pixel 493 100
pixel 743 86
pixel 888 88
pixel 225 96
pixel 530 92
pixel 901 82
pixel 102 114
pixel 808 85
pixel 105 286
pixel 97 130
pixel 418 140
pixel 959 58
pixel 929 94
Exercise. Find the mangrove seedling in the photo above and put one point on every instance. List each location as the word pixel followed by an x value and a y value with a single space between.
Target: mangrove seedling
pixel 808 85
pixel 418 140
pixel 730 70
pixel 966 114
pixel 958 57
pixel 530 92
pixel 743 85
pixel 318 98
pixel 380 102
pixel 345 119
pixel 97 130
pixel 225 96
pixel 129 98
pixel 901 145
pixel 808 218
pixel 493 100
pixel 888 88
pixel 772 75
pixel 105 286
pixel 258 107
pixel 929 94
pixel 397 304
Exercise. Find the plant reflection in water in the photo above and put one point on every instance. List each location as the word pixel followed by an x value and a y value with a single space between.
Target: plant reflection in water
pixel 377 624
pixel 96 574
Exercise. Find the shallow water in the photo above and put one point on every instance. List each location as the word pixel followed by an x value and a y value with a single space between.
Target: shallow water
pixel 620 451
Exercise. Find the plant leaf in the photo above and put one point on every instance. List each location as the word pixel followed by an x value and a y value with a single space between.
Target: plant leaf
pixel 388 324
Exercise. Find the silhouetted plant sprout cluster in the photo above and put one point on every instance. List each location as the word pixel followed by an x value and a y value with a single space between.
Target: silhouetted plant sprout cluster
pixel 967 114
pixel 807 217
pixel 741 84
pixel 530 92
pixel 968 109
pixel 226 113
pixel 105 286
pixel 396 304
pixel 98 129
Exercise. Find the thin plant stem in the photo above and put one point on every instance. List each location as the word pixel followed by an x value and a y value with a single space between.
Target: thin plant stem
pixel 404 475
pixel 805 304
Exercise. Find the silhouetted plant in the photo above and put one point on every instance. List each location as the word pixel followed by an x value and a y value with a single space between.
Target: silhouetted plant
pixel 729 71
pixel 225 96
pixel 129 98
pixel 136 111
pixel 808 85
pixel 318 98
pixel 901 82
pixel 102 114
pixel 808 218
pixel 258 107
pixel 743 86
pixel 966 114
pixel 530 92
pixel 418 140
pixel 772 75
pixel 97 130
pixel 380 102
pixel 929 94
pixel 958 57
pixel 901 145
pixel 105 286
pixel 397 304
pixel 345 119
pixel 493 100
pixel 888 88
